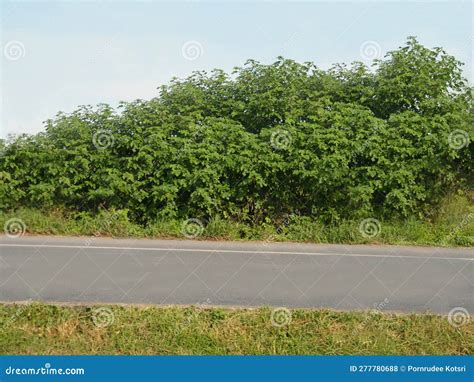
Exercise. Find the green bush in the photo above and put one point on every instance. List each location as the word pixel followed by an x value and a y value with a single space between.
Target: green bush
pixel 256 145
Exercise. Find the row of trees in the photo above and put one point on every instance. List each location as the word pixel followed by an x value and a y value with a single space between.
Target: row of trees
pixel 259 143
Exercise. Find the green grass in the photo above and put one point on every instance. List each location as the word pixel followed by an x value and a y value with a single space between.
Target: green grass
pixel 49 329
pixel 452 225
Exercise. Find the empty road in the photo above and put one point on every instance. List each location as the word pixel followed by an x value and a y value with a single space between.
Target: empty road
pixel 345 277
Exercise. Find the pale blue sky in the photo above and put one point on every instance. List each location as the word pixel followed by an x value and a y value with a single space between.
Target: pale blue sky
pixel 58 55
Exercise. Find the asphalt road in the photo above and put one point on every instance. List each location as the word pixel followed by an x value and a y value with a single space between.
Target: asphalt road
pixel 93 270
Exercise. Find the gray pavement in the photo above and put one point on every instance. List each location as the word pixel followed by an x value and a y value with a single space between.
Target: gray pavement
pixel 345 277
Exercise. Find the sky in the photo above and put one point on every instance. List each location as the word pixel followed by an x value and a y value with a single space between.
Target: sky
pixel 62 54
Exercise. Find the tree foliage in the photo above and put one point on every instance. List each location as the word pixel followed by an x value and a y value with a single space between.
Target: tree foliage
pixel 261 142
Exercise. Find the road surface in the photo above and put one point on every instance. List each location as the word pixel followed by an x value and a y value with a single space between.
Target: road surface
pixel 345 277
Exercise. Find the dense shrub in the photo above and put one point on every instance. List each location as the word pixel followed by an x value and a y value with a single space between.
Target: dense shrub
pixel 260 143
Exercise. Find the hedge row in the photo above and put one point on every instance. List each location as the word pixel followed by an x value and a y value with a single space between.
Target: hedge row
pixel 260 143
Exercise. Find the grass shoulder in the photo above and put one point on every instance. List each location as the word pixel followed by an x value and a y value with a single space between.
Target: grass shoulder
pixel 52 329
pixel 453 225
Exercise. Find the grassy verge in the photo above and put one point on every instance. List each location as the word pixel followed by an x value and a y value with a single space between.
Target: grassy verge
pixel 49 329
pixel 452 225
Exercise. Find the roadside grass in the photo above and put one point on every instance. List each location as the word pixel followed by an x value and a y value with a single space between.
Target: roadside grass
pixel 51 329
pixel 451 225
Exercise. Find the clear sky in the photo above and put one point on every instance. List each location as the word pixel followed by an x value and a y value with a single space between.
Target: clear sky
pixel 58 55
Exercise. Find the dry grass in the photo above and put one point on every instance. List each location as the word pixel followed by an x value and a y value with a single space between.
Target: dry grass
pixel 48 329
